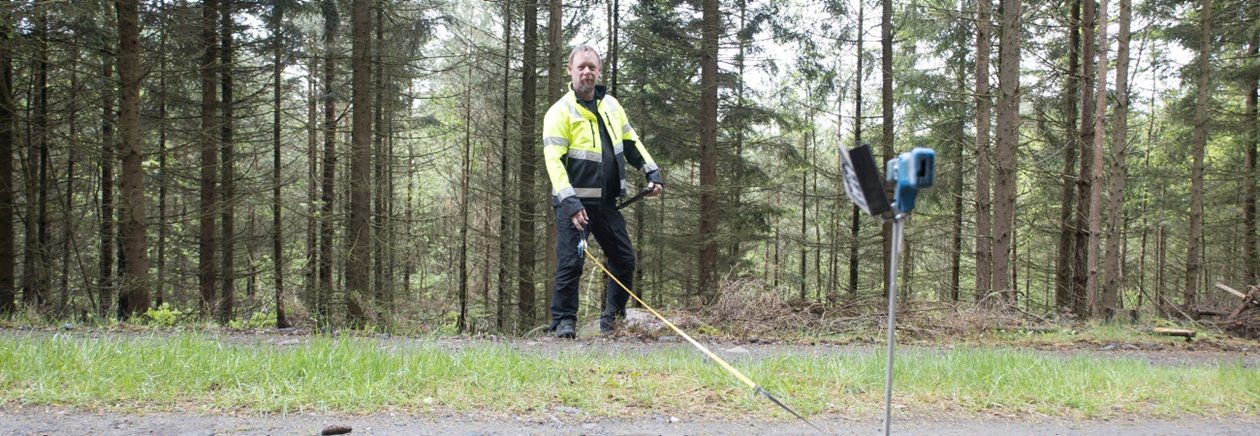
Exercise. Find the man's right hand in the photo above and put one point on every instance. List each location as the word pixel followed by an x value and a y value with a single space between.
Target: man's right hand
pixel 579 219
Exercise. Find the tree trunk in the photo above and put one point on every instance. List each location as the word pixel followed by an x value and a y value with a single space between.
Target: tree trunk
pixel 461 324
pixel 1080 269
pixel 854 229
pixel 1119 148
pixel 1095 176
pixel 1196 170
pixel 411 255
pixel 106 284
pixel 8 116
pixel 207 244
pixel 358 278
pixel 838 209
pixel 984 103
pixel 1064 298
pixel 163 186
pixel 528 194
pixel 1146 201
pixel 35 288
pixel 557 87
pixel 804 212
pixel 1252 263
pixel 227 145
pixel 1161 261
pixel 1008 121
pixel 135 291
pixel 886 138
pixel 838 200
pixel 251 255
pixel 818 243
pixel 614 45
pixel 381 160
pixel 505 215
pixel 277 246
pixel 389 305
pixel 312 187
pixel 955 259
pixel 68 229
pixel 707 232
pixel 325 286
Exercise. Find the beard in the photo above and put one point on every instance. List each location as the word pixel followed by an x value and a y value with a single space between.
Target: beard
pixel 584 87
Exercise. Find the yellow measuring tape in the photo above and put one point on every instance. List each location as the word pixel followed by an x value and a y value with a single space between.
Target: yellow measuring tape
pixel 730 369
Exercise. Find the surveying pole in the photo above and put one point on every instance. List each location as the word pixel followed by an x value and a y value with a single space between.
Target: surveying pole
pixel 908 172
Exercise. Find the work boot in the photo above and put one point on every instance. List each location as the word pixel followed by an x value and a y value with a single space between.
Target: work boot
pixel 607 324
pixel 567 329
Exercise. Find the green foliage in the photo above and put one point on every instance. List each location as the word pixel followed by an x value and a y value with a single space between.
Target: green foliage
pixel 262 319
pixel 163 316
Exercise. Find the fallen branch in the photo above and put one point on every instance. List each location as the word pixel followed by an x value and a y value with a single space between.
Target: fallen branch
pixel 1028 329
pixel 1184 333
pixel 1236 293
pixel 1182 312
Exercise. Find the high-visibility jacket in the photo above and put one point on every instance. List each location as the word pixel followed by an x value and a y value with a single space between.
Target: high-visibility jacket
pixel 574 154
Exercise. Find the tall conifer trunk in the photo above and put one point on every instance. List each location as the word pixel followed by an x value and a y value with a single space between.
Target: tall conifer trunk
pixel 854 229
pixel 1111 298
pixel 1080 260
pixel 207 242
pixel 1193 251
pixel 1063 296
pixel 277 247
pixel 505 215
pixel 1252 264
pixel 227 150
pixel 707 232
pixel 984 172
pixel 135 289
pixel 359 230
pixel 8 114
pixel 527 193
pixel 107 255
pixel 325 286
pixel 1095 176
pixel 1008 121
pixel 886 106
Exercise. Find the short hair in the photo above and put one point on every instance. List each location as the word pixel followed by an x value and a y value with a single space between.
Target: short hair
pixel 585 48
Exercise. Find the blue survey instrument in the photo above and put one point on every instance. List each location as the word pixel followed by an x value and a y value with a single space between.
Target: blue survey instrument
pixel 909 172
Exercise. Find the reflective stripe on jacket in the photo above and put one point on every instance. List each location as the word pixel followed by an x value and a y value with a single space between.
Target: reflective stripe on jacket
pixel 574 155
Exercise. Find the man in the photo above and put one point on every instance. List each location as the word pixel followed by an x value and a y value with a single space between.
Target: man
pixel 587 141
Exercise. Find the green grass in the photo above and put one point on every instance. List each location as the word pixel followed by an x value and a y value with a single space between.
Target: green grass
pixel 193 372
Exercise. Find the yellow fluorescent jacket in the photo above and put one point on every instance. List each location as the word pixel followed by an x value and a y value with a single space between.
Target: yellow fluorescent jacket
pixel 574 155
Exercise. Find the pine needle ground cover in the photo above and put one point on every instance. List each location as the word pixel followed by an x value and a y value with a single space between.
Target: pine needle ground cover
pixel 205 373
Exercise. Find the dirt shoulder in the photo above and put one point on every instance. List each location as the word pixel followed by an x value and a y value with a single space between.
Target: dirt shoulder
pixel 59 421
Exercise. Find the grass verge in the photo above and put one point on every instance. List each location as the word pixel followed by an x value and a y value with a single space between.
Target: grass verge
pixel 194 372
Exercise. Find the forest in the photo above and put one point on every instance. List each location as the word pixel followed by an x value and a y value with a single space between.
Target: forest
pixel 359 163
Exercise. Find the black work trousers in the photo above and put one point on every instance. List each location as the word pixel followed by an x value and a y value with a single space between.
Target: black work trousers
pixel 609 228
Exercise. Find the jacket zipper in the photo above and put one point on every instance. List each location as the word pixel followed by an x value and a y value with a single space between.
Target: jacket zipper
pixel 600 145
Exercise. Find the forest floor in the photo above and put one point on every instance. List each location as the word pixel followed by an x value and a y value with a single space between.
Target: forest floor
pixel 17 417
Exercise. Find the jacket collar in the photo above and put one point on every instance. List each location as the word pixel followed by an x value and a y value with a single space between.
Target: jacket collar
pixel 600 92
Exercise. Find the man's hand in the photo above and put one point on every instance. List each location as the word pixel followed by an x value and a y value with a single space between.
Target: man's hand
pixel 656 189
pixel 579 219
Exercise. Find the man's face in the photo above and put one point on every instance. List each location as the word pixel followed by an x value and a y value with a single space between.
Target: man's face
pixel 584 71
